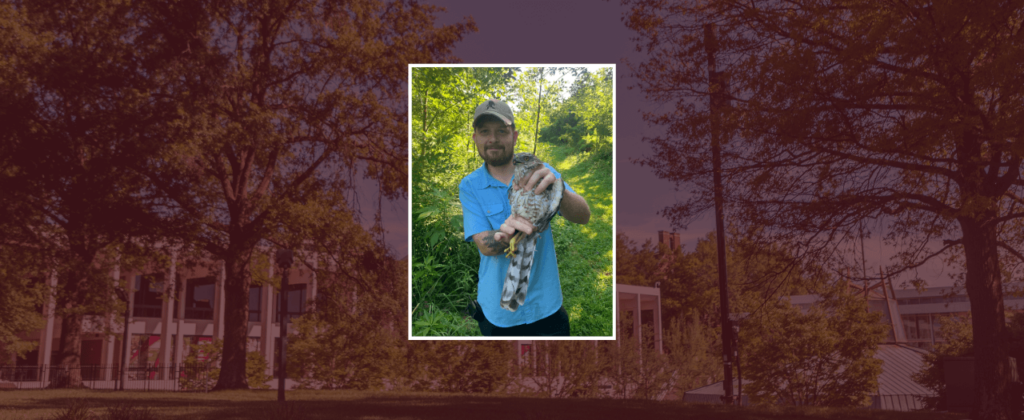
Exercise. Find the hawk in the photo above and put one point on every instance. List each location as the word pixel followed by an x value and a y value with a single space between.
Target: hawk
pixel 538 209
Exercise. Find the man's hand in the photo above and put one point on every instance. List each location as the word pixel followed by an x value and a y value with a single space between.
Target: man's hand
pixel 574 207
pixel 511 225
pixel 494 242
pixel 513 230
pixel 538 181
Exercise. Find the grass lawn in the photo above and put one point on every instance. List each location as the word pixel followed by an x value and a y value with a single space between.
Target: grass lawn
pixel 22 405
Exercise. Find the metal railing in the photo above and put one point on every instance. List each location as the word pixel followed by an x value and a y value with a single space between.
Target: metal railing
pixel 183 377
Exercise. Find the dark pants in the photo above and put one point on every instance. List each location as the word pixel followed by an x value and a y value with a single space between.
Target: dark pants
pixel 555 325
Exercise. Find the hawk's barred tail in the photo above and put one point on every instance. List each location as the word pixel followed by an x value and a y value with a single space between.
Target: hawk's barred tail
pixel 513 293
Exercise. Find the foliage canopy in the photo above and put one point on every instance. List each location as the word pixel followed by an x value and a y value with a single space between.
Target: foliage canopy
pixel 845 111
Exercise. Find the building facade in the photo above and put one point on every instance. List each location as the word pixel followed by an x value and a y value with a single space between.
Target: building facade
pixel 173 307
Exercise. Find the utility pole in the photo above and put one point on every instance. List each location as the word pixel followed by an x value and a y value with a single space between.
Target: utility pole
pixel 284 262
pixel 717 88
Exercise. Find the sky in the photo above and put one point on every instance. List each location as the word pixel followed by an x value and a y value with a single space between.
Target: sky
pixel 586 32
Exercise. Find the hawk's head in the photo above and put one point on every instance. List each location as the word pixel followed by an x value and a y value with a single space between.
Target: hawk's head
pixel 525 163
pixel 526 159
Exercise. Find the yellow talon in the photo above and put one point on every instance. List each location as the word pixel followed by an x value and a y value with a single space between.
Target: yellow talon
pixel 511 250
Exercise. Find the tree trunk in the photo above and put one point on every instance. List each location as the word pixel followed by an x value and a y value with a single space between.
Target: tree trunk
pixel 236 322
pixel 991 344
pixel 69 371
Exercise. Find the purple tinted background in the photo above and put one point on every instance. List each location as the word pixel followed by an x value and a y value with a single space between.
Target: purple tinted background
pixel 577 32
pixel 590 32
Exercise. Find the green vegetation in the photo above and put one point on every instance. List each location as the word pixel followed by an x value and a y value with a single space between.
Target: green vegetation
pixel 228 405
pixel 823 357
pixel 444 265
pixel 834 114
pixel 791 356
pixel 210 352
pixel 138 123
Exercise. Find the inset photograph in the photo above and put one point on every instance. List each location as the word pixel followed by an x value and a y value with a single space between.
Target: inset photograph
pixel 511 209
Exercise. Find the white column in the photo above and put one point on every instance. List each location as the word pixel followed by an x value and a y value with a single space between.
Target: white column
pixel 46 341
pixel 179 342
pixel 130 288
pixel 311 302
pixel 657 324
pixel 218 303
pixel 267 317
pixel 167 305
pixel 636 323
pixel 126 355
pixel 108 356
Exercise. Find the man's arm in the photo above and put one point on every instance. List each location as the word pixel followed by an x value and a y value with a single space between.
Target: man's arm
pixel 488 245
pixel 574 208
pixel 494 242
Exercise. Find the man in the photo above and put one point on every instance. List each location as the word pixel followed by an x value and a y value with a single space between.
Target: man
pixel 488 223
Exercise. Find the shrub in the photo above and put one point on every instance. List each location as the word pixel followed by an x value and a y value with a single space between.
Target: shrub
pixel 202 367
pixel 74 409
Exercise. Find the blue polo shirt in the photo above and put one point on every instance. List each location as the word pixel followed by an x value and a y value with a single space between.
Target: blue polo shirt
pixel 485 207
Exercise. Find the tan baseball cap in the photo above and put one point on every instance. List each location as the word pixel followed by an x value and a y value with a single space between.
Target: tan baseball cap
pixel 496 108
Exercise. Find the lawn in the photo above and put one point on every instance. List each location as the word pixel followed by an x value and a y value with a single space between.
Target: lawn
pixel 46 404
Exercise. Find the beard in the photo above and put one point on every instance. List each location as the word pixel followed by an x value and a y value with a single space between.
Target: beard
pixel 498 159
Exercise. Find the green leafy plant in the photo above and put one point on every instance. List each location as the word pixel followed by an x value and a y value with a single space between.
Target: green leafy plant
pixel 74 409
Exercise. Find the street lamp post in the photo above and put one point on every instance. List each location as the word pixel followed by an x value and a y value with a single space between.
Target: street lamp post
pixel 123 295
pixel 717 87
pixel 284 262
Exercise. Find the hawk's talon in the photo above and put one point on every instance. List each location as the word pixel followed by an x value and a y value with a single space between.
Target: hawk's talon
pixel 511 250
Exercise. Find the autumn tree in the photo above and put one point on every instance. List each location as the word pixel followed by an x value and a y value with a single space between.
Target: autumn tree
pixel 287 105
pixel 845 111
pixel 635 369
pixel 77 90
pixel 354 339
pixel 693 350
pixel 19 297
pixel 824 356
pixel 688 280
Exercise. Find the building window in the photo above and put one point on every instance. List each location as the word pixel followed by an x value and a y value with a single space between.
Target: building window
pixel 199 295
pixel 255 292
pixel 149 291
pixel 296 302
pixel 145 350
pixel 922 330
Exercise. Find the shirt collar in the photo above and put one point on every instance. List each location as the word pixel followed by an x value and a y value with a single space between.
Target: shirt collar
pixel 485 180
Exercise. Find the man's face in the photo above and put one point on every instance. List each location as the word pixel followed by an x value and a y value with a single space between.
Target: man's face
pixel 495 142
